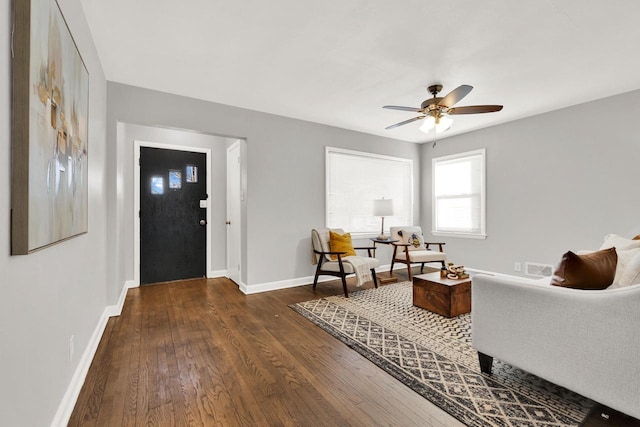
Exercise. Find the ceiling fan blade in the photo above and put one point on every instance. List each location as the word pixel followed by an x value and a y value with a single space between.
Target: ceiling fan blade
pixel 396 107
pixel 455 95
pixel 475 109
pixel 405 122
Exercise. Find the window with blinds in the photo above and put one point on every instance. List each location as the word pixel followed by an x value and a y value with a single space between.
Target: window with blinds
pixel 459 195
pixel 354 179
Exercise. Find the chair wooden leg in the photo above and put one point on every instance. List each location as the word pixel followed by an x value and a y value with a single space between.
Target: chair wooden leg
pixel 344 286
pixel 375 279
pixel 409 271
pixel 391 269
pixel 421 267
pixel 315 279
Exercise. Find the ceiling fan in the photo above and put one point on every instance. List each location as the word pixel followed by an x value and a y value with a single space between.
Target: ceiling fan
pixel 436 111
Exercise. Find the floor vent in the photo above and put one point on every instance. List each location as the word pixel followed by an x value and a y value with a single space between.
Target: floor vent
pixel 538 270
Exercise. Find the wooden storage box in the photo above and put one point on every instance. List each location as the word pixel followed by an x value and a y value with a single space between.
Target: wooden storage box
pixel 446 297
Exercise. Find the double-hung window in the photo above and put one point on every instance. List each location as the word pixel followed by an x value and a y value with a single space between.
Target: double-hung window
pixel 459 195
pixel 354 179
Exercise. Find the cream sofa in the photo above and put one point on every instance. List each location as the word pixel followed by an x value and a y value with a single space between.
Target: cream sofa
pixel 585 340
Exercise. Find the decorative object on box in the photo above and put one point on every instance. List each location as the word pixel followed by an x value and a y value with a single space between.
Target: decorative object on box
pixel 49 132
pixel 433 356
pixel 456 272
pixel 443 272
pixel 382 207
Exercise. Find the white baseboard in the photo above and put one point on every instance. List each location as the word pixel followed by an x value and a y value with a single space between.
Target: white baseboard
pixel 291 283
pixel 70 397
pixel 116 310
pixel 217 273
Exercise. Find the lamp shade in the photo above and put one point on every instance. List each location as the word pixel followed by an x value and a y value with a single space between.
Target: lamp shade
pixel 383 207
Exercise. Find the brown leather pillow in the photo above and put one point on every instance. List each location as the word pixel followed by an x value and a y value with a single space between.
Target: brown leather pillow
pixel 637 237
pixel 594 270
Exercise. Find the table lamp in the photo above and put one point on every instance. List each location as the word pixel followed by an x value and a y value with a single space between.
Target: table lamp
pixel 382 207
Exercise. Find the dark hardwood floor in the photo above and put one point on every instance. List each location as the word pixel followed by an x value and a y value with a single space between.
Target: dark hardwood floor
pixel 201 353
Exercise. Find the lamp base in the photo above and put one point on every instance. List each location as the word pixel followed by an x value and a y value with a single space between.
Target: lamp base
pixel 382 237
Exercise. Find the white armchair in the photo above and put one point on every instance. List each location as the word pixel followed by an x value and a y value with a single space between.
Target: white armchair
pixel 412 249
pixel 343 265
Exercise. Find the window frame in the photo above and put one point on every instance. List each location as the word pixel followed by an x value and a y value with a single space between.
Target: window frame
pixel 409 161
pixel 482 234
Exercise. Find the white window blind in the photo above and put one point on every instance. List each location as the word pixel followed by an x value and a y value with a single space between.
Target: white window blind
pixel 459 194
pixel 354 179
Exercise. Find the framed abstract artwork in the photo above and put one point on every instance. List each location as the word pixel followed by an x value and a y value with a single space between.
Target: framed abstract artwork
pixel 50 112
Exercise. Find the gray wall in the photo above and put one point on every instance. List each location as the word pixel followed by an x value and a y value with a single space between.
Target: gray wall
pixel 285 171
pixel 555 182
pixel 59 291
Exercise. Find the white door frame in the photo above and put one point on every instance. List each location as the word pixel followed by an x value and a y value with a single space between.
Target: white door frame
pixel 235 221
pixel 136 200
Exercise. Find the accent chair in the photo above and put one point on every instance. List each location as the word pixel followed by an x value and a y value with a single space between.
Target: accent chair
pixel 411 248
pixel 342 266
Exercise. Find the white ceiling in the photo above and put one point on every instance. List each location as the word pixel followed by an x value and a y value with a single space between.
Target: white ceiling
pixel 338 62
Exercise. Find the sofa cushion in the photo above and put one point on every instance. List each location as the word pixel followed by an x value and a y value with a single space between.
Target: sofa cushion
pixel 595 270
pixel 414 239
pixel 619 242
pixel 341 243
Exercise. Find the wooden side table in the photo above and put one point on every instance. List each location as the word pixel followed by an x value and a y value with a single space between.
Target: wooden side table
pixel 447 297
pixel 382 279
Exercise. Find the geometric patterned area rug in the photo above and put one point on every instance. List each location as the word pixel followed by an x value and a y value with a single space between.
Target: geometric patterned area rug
pixel 433 356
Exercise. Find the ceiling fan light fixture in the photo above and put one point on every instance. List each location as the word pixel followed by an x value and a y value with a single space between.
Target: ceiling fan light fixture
pixel 443 124
pixel 435 112
pixel 427 124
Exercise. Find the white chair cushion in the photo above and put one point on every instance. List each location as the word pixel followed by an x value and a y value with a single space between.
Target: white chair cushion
pixel 421 256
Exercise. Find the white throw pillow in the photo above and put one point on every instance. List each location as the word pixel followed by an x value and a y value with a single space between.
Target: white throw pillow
pixel 619 242
pixel 630 274
pixel 414 239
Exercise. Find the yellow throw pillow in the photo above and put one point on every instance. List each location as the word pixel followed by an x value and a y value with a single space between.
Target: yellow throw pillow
pixel 340 243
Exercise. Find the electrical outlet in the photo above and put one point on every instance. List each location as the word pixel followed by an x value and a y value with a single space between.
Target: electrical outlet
pixel 71 347
pixel 517 266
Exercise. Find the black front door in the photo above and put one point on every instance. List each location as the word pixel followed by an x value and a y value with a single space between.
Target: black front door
pixel 172 224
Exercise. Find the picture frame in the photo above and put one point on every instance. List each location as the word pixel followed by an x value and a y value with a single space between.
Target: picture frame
pixel 49 130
